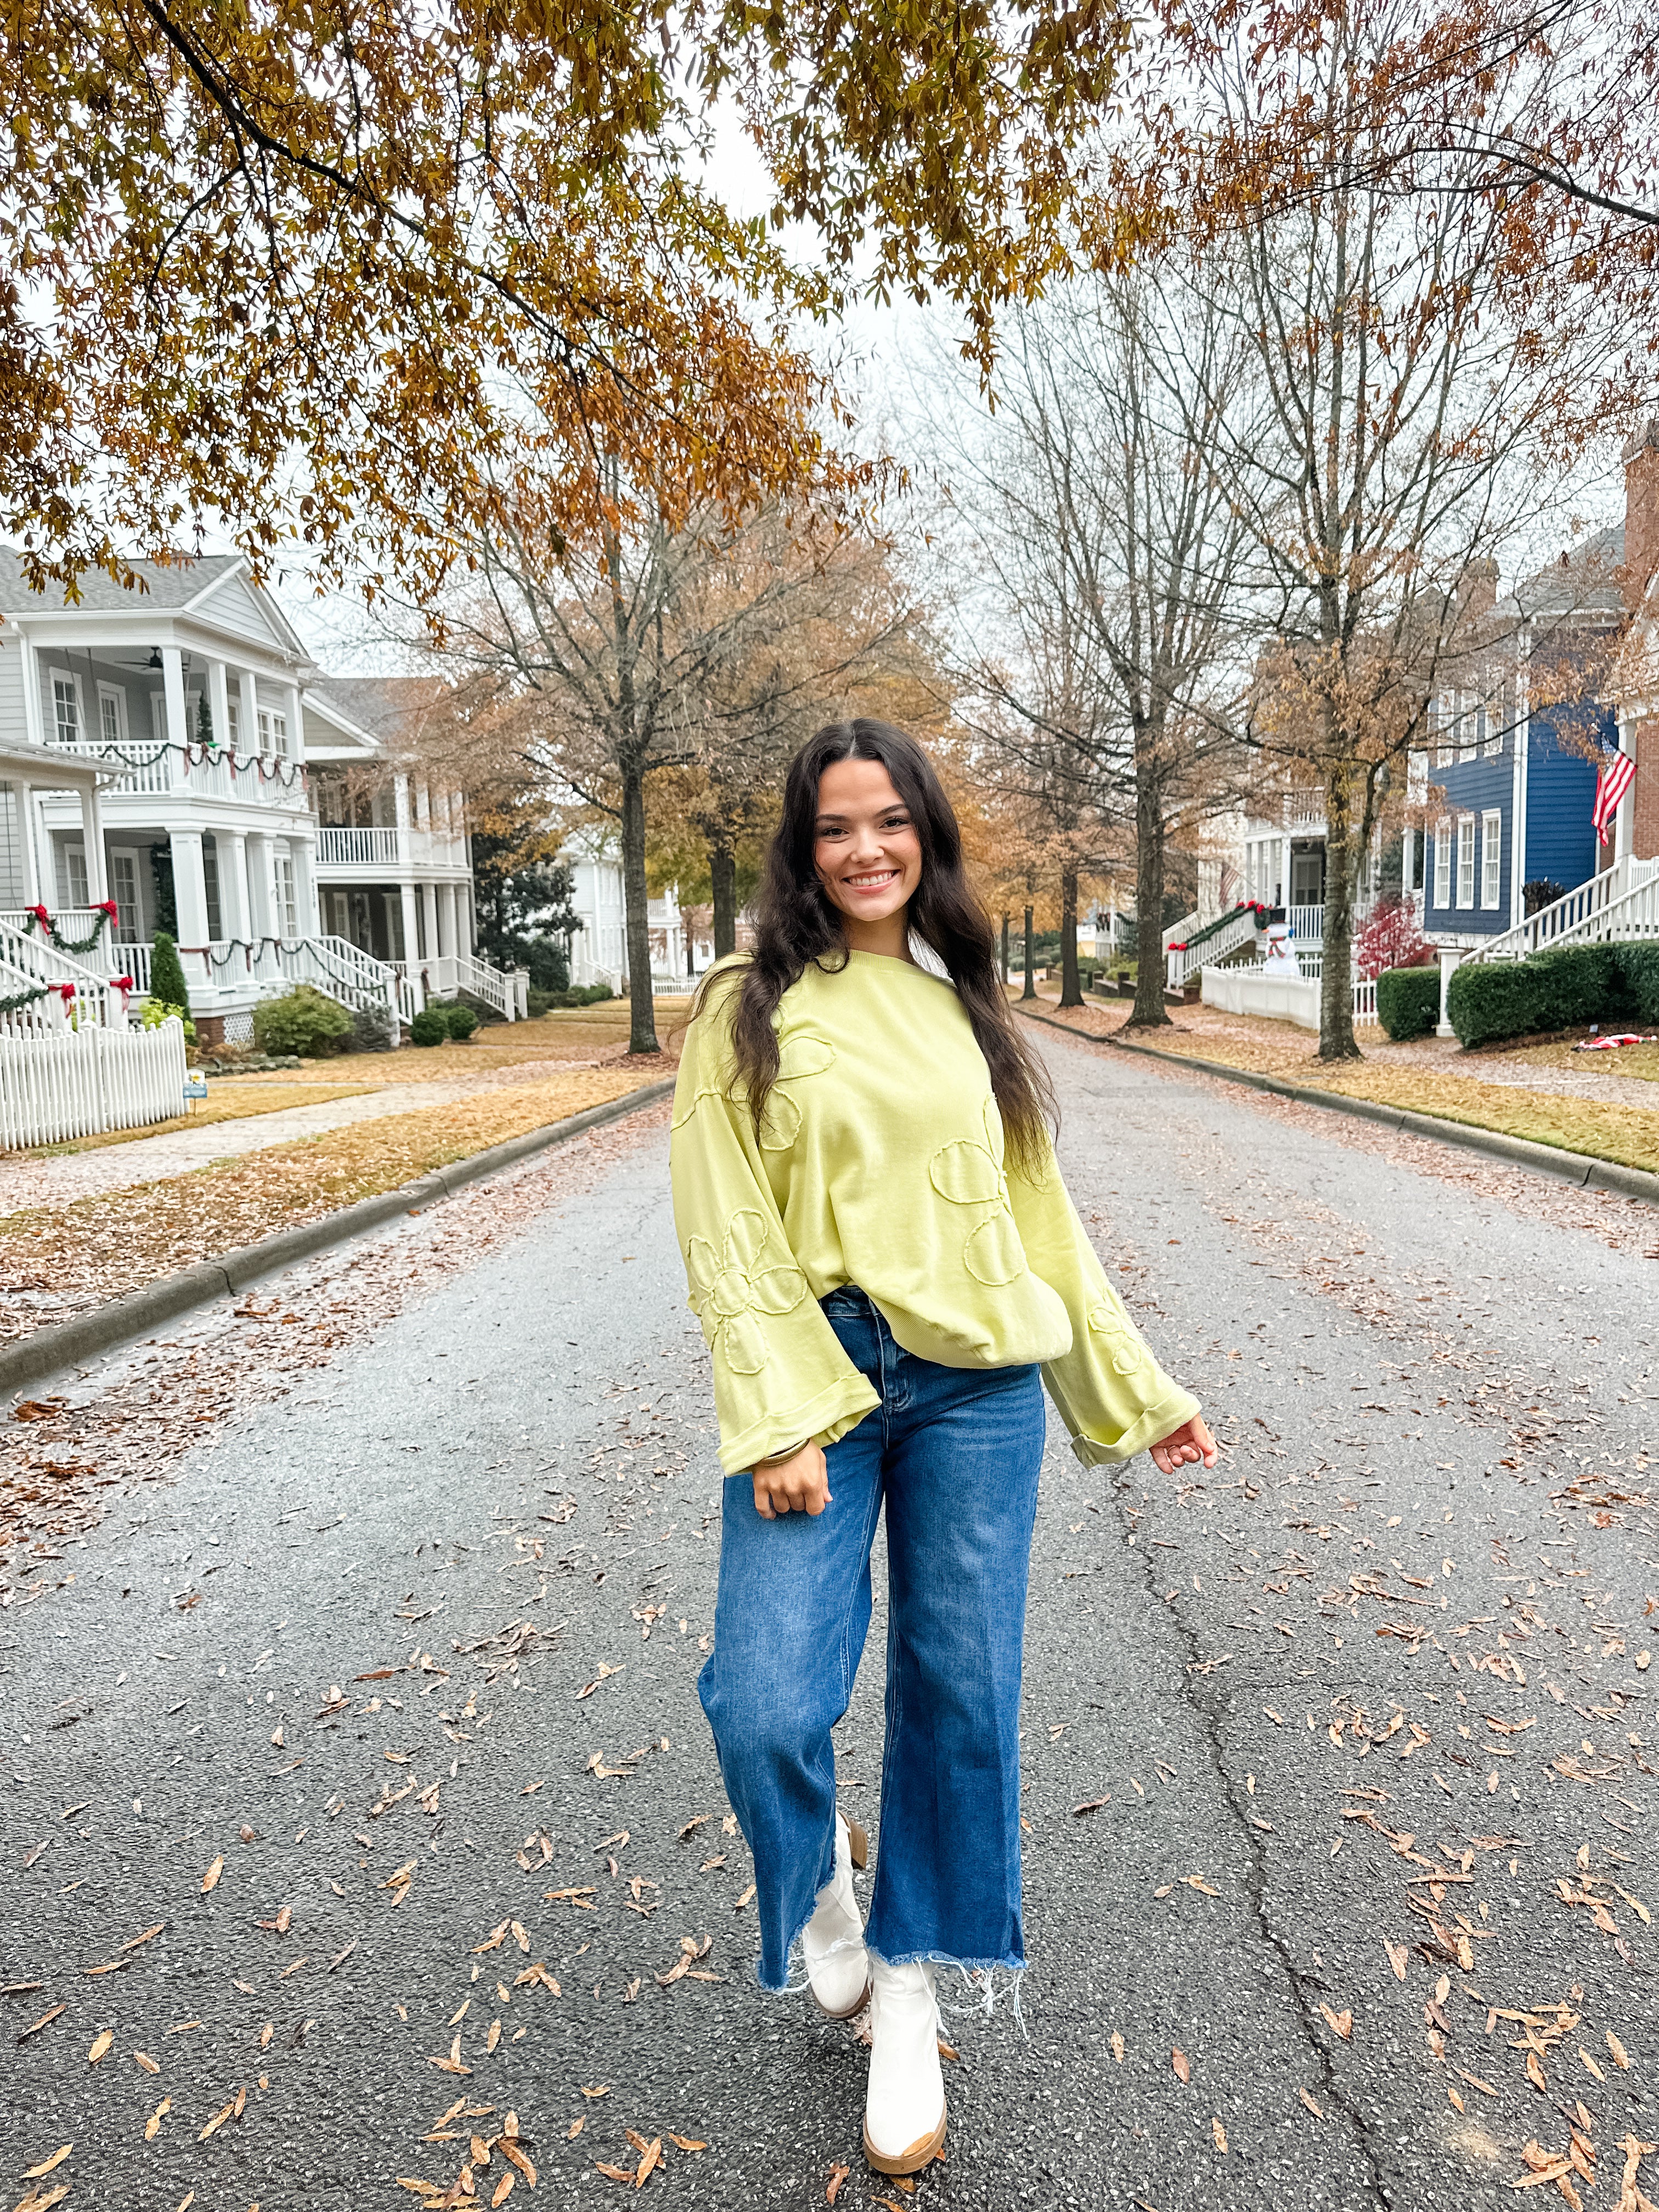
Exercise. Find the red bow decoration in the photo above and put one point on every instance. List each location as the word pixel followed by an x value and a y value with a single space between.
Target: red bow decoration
pixel 66 992
pixel 108 907
pixel 120 982
pixel 40 915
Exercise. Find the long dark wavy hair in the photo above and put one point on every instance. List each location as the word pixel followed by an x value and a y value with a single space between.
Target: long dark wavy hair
pixel 796 923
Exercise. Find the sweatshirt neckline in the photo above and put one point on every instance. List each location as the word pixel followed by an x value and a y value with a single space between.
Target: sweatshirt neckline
pixel 886 960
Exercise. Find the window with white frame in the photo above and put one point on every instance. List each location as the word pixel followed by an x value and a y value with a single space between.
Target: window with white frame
pixel 273 730
pixel 111 713
pixel 72 875
pixel 1442 846
pixel 1467 711
pixel 1492 712
pixel 288 910
pixel 1439 723
pixel 234 713
pixel 1466 860
pixel 1491 859
pixel 65 708
pixel 124 890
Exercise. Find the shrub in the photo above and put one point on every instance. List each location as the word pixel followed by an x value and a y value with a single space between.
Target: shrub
pixel 1494 999
pixel 1640 965
pixel 581 994
pixel 429 1027
pixel 461 1019
pixel 371 1030
pixel 154 1012
pixel 1408 1001
pixel 1389 937
pixel 166 974
pixel 304 1020
pixel 549 968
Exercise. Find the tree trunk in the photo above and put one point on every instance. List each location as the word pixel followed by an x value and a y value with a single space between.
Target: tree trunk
pixel 1071 990
pixel 723 882
pixel 642 1027
pixel 1030 991
pixel 1342 858
pixel 1004 952
pixel 1150 1011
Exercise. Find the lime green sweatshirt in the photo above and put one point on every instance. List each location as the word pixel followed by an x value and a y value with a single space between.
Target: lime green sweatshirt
pixel 880 1164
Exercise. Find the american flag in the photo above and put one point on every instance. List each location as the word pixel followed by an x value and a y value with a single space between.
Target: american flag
pixel 1612 783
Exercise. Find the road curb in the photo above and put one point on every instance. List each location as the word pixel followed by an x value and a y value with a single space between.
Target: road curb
pixel 1582 1169
pixel 68 1344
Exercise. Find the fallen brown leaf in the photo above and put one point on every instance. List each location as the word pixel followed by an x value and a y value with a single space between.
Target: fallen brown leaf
pixel 210 1879
pixel 1219 2133
pixel 1182 2064
pixel 837 2175
pixel 48 2165
pixel 1340 2023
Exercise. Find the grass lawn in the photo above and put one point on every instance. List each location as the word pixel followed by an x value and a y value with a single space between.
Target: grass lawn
pixel 99 1248
pixel 1607 1131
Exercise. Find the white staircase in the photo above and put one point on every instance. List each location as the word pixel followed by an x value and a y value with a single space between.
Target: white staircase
pixel 1621 903
pixel 69 993
pixel 1238 930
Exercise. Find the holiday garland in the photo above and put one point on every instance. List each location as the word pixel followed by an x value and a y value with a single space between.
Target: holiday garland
pixel 1256 907
pixel 40 920
pixel 287 773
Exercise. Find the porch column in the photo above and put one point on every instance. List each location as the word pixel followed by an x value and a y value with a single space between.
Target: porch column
pixel 31 851
pixel 34 721
pixel 189 887
pixel 91 839
pixel 429 922
pixel 218 692
pixel 412 925
pixel 173 679
pixel 1624 820
pixel 260 920
pixel 233 878
pixel 296 731
pixel 249 690
pixel 1284 878
pixel 1449 959
pixel 302 851
pixel 450 939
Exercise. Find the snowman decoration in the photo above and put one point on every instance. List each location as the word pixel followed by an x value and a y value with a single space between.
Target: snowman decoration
pixel 1280 958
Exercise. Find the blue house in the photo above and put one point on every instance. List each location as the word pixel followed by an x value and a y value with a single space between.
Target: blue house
pixel 1515 791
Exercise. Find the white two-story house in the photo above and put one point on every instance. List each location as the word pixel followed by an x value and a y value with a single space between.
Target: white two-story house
pixel 188 703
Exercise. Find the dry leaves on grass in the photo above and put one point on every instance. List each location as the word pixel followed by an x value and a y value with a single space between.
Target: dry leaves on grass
pixel 101 1248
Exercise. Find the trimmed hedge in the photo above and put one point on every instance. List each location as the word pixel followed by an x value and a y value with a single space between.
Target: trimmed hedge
pixel 429 1027
pixel 1408 1001
pixel 1583 983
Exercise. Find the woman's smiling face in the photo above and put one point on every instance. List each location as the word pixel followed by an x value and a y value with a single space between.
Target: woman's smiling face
pixel 867 852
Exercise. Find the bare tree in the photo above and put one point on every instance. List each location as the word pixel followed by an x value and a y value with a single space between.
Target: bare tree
pixel 1118 560
pixel 661 647
pixel 1424 382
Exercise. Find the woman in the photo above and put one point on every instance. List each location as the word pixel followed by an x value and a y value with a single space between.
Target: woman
pixel 883 1257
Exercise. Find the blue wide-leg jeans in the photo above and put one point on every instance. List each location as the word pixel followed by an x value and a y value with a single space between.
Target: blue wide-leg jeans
pixel 953 1453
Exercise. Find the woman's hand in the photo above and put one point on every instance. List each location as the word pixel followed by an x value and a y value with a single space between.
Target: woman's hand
pixel 1191 1442
pixel 798 1482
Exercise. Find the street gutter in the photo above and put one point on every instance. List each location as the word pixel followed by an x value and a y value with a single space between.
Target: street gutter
pixel 1582 1169
pixel 72 1343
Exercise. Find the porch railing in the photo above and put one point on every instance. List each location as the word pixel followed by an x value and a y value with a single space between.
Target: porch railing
pixel 257 779
pixel 444 974
pixel 28 963
pixel 388 847
pixel 1622 902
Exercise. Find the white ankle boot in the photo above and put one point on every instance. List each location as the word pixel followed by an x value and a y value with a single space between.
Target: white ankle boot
pixel 904 2107
pixel 837 1965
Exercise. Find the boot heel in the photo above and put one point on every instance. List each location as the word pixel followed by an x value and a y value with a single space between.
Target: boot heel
pixel 858 1845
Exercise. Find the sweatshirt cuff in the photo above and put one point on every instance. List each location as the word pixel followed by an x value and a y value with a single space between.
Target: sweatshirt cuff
pixel 822 1419
pixel 1157 1422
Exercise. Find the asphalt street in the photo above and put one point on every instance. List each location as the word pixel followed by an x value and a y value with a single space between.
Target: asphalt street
pixel 355 1783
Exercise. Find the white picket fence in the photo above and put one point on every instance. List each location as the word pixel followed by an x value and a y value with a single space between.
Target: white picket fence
pixel 80 1082
pixel 1280 998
